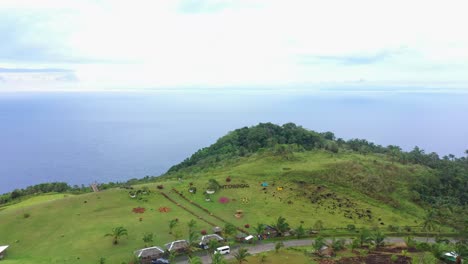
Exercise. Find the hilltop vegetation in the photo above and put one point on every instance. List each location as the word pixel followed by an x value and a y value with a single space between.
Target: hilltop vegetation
pixel 439 184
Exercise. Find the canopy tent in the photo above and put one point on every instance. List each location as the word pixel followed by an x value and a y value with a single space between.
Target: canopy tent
pixel 2 250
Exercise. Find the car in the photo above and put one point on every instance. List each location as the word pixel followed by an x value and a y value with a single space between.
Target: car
pixel 160 261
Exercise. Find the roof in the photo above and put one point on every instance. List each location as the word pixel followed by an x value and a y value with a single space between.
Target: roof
pixel 240 235
pixel 270 228
pixel 3 248
pixel 248 237
pixel 148 252
pixel 206 238
pixel 217 229
pixel 175 245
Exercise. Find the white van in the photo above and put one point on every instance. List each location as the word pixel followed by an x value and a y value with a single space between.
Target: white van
pixel 223 250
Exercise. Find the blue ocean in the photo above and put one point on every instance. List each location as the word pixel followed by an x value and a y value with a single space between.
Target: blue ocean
pixel 81 138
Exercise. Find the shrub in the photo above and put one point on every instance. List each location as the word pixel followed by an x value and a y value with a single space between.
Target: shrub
pixel 351 227
pixel 394 258
pixel 160 187
pixel 423 246
pixel 247 226
pixel 26 215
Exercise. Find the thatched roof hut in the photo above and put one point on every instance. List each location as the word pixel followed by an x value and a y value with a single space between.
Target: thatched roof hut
pixel 217 230
pixel 147 254
pixel 177 246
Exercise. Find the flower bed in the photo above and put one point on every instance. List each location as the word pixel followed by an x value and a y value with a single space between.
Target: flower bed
pixel 138 210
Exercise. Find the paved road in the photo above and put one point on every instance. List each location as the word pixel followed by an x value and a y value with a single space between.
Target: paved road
pixel 263 247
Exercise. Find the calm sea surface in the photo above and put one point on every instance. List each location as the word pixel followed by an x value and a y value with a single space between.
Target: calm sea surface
pixel 80 138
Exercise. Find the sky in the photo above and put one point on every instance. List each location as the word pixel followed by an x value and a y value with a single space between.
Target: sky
pixel 151 44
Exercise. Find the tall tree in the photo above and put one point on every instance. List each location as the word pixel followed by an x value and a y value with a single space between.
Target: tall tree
pixel 378 238
pixel 364 237
pixel 429 223
pixel 230 230
pixel 172 224
pixel 195 260
pixel 191 225
pixel 148 238
pixel 217 259
pixel 259 229
pixel 117 233
pixel 241 255
pixel 281 225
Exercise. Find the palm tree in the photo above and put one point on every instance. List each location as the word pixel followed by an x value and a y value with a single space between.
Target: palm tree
pixel 300 232
pixel 217 259
pixel 364 237
pixel 148 238
pixel 193 236
pixel 281 225
pixel 229 230
pixel 259 229
pixel 318 243
pixel 429 223
pixel 278 245
pixel 173 223
pixel 212 245
pixel 191 225
pixel 195 260
pixel 117 233
pixel 241 255
pixel 378 238
pixel 318 225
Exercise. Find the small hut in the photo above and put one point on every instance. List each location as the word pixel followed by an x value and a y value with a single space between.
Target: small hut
pixel 145 255
pixel 3 251
pixel 264 184
pixel 207 238
pixel 270 231
pixel 217 230
pixel 177 246
pixel 326 252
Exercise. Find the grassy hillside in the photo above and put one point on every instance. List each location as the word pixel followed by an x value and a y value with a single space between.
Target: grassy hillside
pixel 72 229
pixel 314 181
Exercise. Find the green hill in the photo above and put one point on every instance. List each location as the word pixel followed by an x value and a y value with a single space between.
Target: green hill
pixel 312 179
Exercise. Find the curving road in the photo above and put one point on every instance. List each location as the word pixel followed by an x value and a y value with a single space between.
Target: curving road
pixel 263 247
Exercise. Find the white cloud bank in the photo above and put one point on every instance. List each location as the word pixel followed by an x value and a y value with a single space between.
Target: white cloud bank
pixel 160 44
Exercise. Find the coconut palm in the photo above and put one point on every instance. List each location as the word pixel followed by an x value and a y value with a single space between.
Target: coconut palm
pixel 217 259
pixel 195 260
pixel 281 225
pixel 241 255
pixel 230 230
pixel 429 223
pixel 259 229
pixel 364 237
pixel 278 245
pixel 378 238
pixel 148 238
pixel 173 223
pixel 117 233
pixel 191 225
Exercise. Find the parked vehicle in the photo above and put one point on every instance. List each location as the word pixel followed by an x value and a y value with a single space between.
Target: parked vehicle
pixel 160 261
pixel 223 250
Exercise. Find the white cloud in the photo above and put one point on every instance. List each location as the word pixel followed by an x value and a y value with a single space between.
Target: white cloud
pixel 228 43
